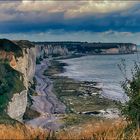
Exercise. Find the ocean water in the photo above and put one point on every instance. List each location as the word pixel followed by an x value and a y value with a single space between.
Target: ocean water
pixel 103 69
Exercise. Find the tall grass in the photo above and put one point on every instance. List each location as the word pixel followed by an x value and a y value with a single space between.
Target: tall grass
pixel 103 130
pixel 21 132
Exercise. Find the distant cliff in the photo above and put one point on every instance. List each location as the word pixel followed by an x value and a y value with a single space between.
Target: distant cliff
pixel 17 58
pixel 49 50
pixel 89 48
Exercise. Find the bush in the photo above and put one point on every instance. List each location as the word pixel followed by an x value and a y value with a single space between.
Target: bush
pixel 131 109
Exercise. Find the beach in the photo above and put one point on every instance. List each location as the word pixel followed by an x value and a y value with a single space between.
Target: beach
pixel 46 102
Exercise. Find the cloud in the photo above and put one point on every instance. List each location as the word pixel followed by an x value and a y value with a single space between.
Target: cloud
pixel 73 9
pixel 6 17
pixel 101 7
pixel 69 16
pixel 70 9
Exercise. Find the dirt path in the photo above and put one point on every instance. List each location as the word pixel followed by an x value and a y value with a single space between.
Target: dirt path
pixel 46 102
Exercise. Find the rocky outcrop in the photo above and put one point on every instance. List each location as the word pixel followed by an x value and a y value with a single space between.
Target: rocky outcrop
pixel 17 105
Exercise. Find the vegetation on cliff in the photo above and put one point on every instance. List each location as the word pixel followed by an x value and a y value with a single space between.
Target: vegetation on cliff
pixel 10 83
pixel 24 43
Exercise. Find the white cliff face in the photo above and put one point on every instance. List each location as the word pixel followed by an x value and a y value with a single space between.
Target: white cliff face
pixel 17 105
pixel 56 50
pixel 31 63
pixel 25 65
pixel 52 50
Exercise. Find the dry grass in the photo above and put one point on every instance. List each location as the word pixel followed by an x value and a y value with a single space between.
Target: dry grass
pixel 21 132
pixel 103 130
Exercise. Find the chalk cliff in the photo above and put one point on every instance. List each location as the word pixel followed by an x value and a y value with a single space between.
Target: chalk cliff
pixel 21 57
pixel 50 50
pixel 90 48
pixel 26 64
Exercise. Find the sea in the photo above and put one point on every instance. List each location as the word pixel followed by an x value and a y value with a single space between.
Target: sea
pixel 103 69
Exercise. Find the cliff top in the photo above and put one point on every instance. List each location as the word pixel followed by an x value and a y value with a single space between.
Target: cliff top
pixel 9 46
pixel 24 43
pixel 15 46
pixel 82 43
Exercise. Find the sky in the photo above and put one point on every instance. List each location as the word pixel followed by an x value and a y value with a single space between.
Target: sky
pixel 79 20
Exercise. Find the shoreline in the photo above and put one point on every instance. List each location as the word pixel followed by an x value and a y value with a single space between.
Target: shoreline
pixel 64 98
pixel 45 102
pixel 84 89
pixel 111 85
pixel 82 55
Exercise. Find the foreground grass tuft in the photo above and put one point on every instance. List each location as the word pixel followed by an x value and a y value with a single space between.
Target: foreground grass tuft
pixel 99 130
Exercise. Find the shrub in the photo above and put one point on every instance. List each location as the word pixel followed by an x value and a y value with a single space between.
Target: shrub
pixel 131 109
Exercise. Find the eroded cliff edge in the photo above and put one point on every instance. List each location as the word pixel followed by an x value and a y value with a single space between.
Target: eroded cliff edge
pixel 17 67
